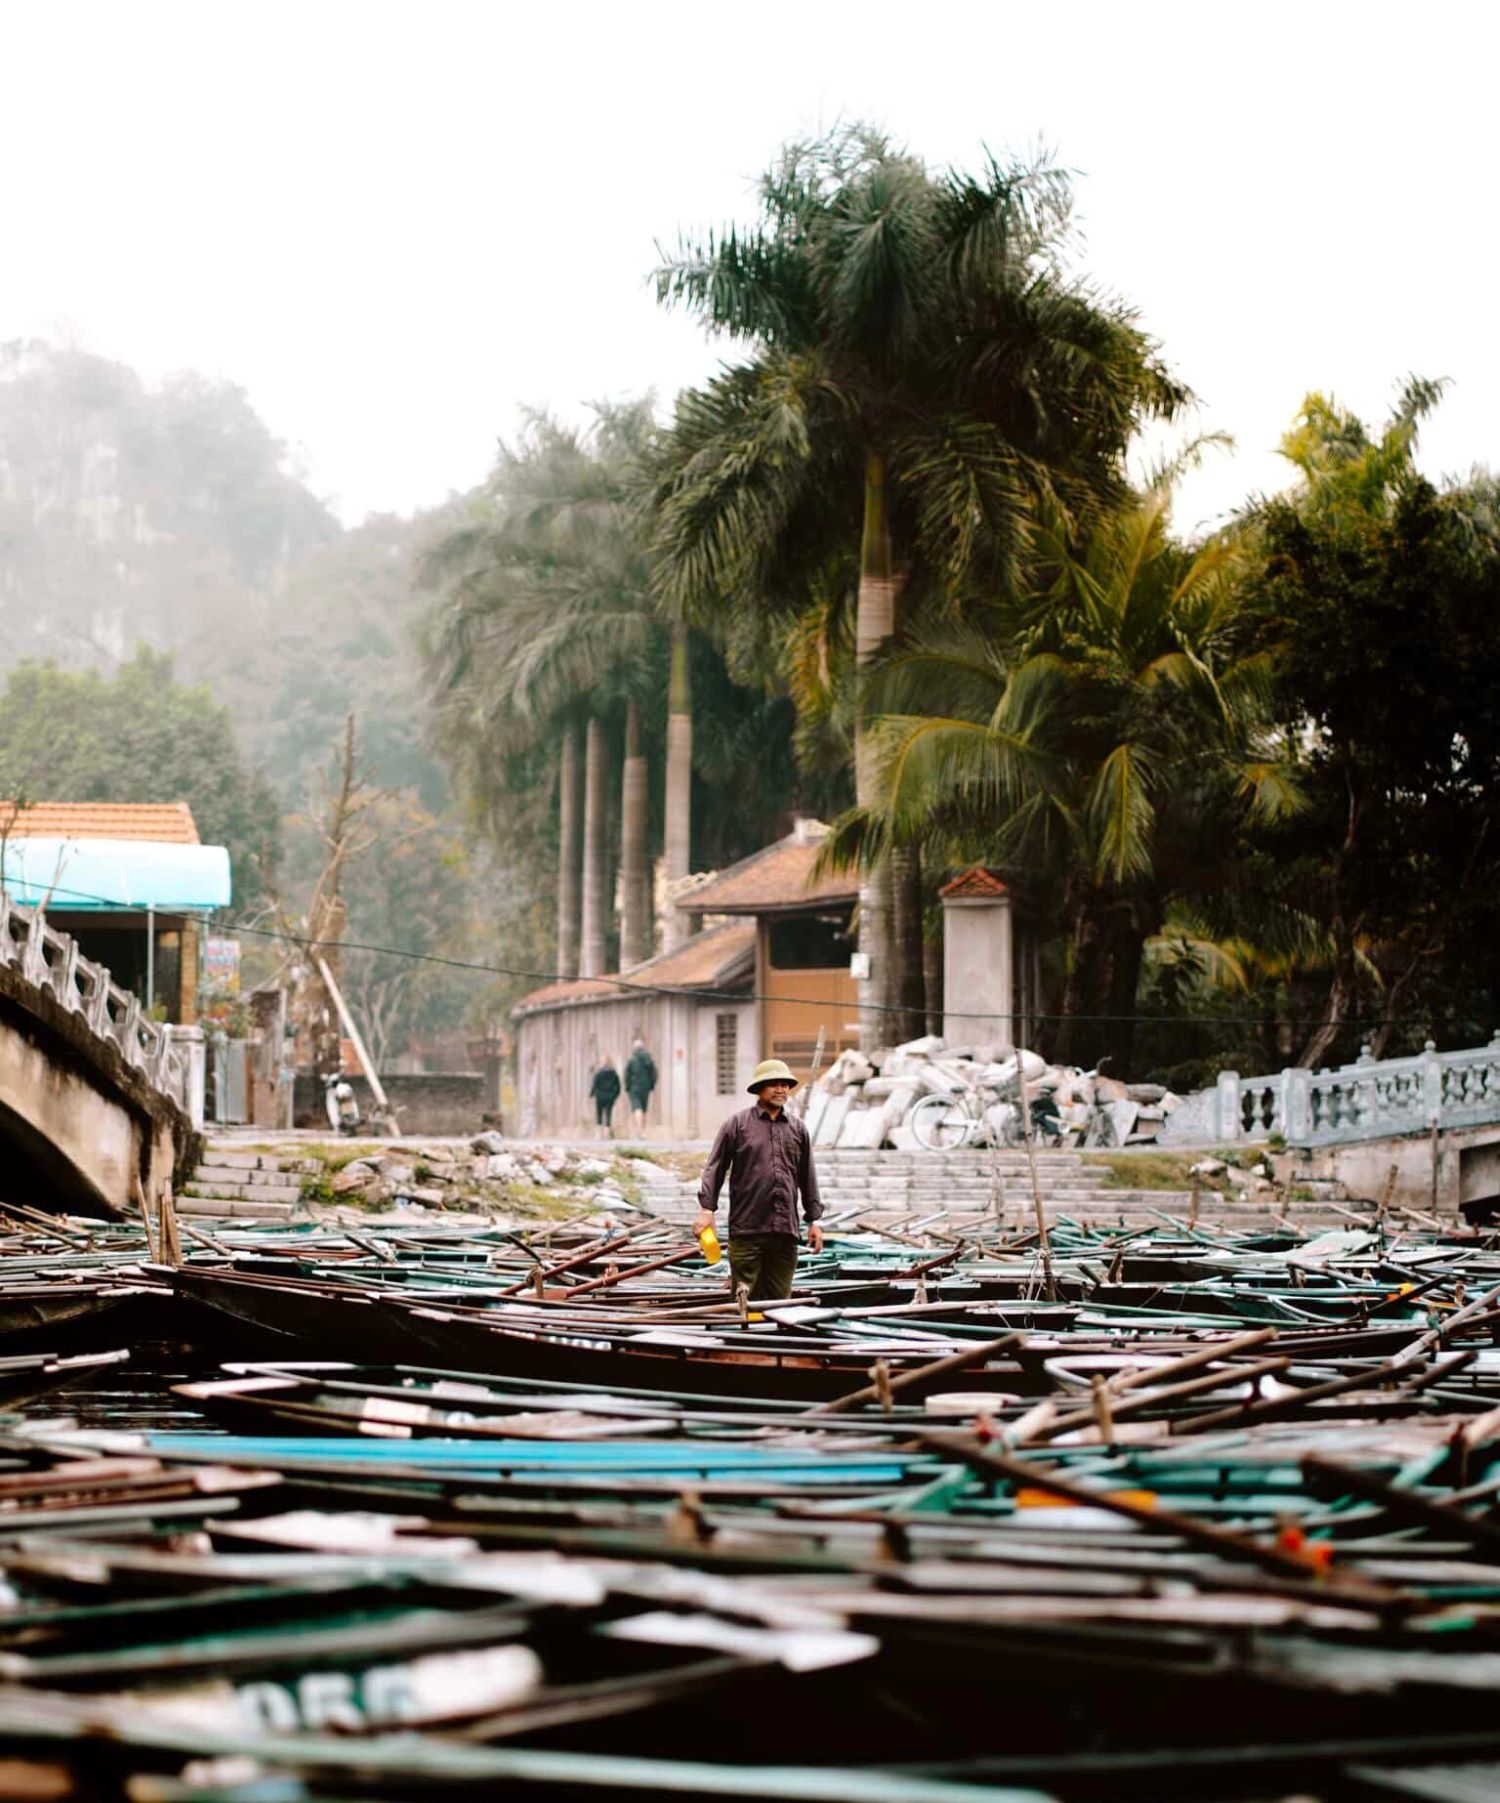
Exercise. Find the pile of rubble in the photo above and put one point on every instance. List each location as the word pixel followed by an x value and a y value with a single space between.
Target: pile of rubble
pixel 927 1093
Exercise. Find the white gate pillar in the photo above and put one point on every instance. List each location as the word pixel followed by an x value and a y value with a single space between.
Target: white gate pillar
pixel 979 987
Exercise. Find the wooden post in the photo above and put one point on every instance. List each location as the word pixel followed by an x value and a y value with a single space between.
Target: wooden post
pixel 880 1376
pixel 1386 1195
pixel 1103 1419
pixel 1036 1182
pixel 367 1063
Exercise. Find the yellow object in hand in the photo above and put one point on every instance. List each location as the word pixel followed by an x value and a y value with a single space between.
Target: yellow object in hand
pixel 709 1241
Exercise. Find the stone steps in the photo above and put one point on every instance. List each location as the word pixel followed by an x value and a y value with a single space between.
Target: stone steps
pixel 218 1207
pixel 962 1188
pixel 258 1186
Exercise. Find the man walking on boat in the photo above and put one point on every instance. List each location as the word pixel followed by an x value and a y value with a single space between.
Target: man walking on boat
pixel 766 1154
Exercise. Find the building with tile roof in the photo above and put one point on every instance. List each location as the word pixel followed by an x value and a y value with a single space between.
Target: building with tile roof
pixel 693 1009
pixel 131 882
pixel 803 944
pixel 769 970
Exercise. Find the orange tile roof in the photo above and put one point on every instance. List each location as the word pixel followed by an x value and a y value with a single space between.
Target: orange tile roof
pixel 777 880
pixel 711 960
pixel 165 822
pixel 976 881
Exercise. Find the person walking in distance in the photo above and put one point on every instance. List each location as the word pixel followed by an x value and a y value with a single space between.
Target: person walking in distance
pixel 766 1154
pixel 605 1092
pixel 640 1080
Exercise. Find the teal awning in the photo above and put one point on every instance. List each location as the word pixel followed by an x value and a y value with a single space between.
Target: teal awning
pixel 102 876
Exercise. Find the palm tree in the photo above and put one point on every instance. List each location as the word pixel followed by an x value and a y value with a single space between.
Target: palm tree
pixel 918 371
pixel 1102 737
pixel 546 630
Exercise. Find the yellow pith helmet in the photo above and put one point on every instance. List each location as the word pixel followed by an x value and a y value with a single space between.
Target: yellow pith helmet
pixel 769 1070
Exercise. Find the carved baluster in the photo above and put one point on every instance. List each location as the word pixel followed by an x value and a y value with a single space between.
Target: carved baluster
pixel 65 976
pixel 96 1007
pixel 34 958
pixel 128 1034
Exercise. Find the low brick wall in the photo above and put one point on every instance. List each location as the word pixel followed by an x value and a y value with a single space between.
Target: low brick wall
pixel 440 1103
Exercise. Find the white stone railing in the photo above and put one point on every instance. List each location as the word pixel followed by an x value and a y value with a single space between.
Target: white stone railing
pixel 52 962
pixel 1369 1099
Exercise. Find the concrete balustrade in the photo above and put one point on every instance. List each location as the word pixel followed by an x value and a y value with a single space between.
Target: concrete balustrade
pixel 1369 1099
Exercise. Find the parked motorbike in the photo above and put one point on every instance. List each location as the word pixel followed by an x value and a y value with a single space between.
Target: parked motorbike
pixel 342 1105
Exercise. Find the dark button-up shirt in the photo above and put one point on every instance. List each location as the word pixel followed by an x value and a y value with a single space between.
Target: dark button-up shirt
pixel 767 1159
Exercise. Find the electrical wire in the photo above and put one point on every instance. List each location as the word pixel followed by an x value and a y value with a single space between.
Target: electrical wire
pixel 697 993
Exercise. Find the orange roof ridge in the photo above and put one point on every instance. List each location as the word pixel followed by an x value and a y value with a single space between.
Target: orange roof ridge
pixel 977 880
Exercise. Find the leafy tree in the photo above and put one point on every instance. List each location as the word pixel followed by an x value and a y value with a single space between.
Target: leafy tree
pixel 918 371
pixel 139 736
pixel 1380 594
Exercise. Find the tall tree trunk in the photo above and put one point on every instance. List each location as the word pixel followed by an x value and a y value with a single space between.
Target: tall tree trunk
pixel 1343 989
pixel 910 1020
pixel 570 847
pixel 1127 951
pixel 595 811
pixel 613 903
pixel 1075 1033
pixel 875 622
pixel 635 913
pixel 1341 996
pixel 677 845
pixel 932 975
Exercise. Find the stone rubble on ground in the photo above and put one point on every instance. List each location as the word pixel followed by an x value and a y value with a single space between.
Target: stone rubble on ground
pixel 481 1174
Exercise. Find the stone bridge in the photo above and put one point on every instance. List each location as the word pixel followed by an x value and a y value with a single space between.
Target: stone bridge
pixel 92 1092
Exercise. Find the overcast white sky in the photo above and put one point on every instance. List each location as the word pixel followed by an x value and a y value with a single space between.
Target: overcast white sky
pixel 395 221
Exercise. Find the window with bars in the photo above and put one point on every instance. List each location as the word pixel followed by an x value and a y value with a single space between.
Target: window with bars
pixel 726 1052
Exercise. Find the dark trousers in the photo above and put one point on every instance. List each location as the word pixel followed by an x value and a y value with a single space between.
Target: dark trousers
pixel 602 1112
pixel 765 1263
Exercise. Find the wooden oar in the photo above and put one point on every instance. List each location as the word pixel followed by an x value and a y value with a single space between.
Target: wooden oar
pixel 583 1256
pixel 943 1367
pixel 1330 1476
pixel 613 1277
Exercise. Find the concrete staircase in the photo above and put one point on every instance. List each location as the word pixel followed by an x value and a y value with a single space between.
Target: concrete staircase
pixel 968 1186
pixel 250 1185
pixel 976 1190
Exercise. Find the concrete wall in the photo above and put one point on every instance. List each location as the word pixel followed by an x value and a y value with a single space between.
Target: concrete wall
pixel 558 1050
pixel 444 1104
pixel 82 1130
pixel 1467 1167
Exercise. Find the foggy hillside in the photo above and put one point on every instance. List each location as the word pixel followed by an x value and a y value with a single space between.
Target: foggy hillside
pixel 136 515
